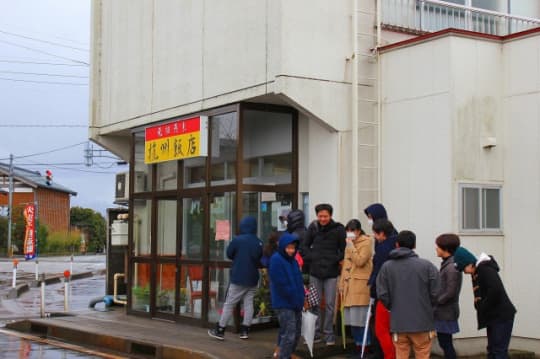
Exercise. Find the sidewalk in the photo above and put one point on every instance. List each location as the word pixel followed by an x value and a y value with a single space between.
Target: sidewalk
pixel 116 332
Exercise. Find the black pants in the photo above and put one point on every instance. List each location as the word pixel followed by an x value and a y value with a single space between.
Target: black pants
pixel 498 335
pixel 447 345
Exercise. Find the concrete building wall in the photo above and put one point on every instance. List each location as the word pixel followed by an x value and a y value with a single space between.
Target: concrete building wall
pixel 521 111
pixel 441 99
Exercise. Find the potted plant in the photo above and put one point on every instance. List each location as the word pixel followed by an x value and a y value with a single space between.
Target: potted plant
pixel 183 300
pixel 141 297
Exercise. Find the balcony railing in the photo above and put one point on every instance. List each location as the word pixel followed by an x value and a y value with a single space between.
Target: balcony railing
pixel 435 15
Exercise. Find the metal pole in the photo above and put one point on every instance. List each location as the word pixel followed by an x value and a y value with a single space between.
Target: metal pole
pixel 42 311
pixel 14 281
pixel 66 295
pixel 10 205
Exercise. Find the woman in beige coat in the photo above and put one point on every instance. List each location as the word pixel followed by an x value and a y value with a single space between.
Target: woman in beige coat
pixel 353 287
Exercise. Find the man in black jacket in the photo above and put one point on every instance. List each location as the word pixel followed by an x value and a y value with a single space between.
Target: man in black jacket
pixel 323 249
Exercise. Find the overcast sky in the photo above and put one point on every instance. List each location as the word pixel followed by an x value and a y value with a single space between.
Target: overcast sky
pixel 43 43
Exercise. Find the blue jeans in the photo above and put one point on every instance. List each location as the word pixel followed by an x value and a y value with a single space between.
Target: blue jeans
pixel 290 326
pixel 498 335
pixel 446 344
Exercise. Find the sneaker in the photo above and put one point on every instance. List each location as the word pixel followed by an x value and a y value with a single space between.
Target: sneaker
pixel 218 332
pixel 330 341
pixel 244 331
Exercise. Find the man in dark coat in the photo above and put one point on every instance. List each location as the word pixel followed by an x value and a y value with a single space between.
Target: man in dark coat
pixel 406 276
pixel 245 251
pixel 323 249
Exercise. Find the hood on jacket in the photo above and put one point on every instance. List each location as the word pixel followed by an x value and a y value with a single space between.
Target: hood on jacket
pixel 402 253
pixel 248 225
pixel 377 211
pixel 487 260
pixel 284 241
pixel 295 220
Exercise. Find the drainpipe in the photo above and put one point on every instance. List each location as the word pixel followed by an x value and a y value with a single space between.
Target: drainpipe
pixel 354 113
pixel 379 105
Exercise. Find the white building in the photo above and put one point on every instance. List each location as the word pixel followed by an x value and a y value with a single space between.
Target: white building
pixel 298 96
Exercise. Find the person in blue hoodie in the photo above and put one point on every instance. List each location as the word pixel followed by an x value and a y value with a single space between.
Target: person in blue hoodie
pixel 287 291
pixel 245 252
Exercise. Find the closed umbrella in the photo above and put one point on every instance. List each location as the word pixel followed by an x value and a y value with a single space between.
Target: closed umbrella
pixel 342 310
pixel 308 329
pixel 366 327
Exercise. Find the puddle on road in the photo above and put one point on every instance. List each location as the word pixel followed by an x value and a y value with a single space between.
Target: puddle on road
pixel 15 347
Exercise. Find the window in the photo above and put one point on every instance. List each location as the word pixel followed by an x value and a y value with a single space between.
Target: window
pixel 480 208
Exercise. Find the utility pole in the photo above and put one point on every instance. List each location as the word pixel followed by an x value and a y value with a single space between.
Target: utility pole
pixel 10 205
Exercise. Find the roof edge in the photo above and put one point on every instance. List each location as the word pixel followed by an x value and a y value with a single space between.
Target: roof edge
pixel 457 32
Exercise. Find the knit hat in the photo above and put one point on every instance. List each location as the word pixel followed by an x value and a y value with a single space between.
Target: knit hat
pixel 462 258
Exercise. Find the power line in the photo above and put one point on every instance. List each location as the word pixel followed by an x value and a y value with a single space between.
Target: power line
pixel 46 152
pixel 43 52
pixel 41 126
pixel 45 82
pixel 40 63
pixel 44 41
pixel 41 74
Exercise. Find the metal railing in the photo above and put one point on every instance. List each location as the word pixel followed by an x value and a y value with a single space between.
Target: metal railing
pixel 435 15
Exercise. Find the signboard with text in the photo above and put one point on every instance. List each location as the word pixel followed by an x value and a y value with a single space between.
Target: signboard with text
pixel 176 140
pixel 29 237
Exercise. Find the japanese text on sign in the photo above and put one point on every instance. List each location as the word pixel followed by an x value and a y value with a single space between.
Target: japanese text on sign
pixel 176 140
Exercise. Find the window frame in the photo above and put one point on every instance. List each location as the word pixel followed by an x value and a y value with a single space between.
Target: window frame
pixel 482 230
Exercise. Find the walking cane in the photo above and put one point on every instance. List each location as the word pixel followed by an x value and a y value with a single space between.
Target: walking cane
pixel 364 339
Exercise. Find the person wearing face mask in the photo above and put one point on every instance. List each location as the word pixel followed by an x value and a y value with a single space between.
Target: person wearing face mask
pixel 353 287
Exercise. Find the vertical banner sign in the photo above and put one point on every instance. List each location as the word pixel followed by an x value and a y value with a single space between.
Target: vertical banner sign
pixel 176 140
pixel 29 237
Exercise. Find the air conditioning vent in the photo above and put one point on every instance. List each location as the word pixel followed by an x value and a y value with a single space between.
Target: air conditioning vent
pixel 122 188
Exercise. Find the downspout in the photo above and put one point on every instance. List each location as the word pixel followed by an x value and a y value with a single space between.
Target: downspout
pixel 379 105
pixel 354 113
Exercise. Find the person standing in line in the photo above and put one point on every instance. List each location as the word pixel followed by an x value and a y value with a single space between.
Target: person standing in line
pixel 447 309
pixel 408 286
pixel 287 292
pixel 245 251
pixel 353 288
pixel 385 242
pixel 494 310
pixel 323 250
pixel 375 212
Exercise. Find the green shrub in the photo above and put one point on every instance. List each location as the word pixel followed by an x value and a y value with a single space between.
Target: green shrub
pixel 62 243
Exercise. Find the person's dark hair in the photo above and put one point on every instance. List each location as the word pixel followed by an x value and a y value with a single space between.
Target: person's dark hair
pixel 406 239
pixel 448 242
pixel 324 207
pixel 272 244
pixel 384 226
pixel 354 225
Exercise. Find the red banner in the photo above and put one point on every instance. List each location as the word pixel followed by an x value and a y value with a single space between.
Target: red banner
pixel 29 237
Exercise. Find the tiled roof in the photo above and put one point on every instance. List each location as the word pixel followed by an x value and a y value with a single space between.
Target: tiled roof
pixel 33 178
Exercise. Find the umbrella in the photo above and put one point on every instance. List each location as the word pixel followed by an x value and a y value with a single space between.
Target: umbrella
pixel 308 329
pixel 342 310
pixel 364 339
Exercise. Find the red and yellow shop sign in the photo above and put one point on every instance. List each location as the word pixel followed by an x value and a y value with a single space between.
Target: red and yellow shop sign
pixel 176 140
pixel 29 235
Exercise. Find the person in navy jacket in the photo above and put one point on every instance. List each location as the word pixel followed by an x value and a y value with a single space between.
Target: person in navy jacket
pixel 245 252
pixel 287 293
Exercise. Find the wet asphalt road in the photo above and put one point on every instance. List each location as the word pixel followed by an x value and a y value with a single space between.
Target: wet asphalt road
pixel 28 304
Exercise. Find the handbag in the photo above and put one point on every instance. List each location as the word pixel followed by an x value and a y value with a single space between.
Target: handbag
pixel 313 298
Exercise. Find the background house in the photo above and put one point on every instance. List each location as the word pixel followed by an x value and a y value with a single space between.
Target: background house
pixel 53 200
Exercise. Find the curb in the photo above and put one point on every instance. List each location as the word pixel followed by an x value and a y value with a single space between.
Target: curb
pixel 117 344
pixel 21 288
